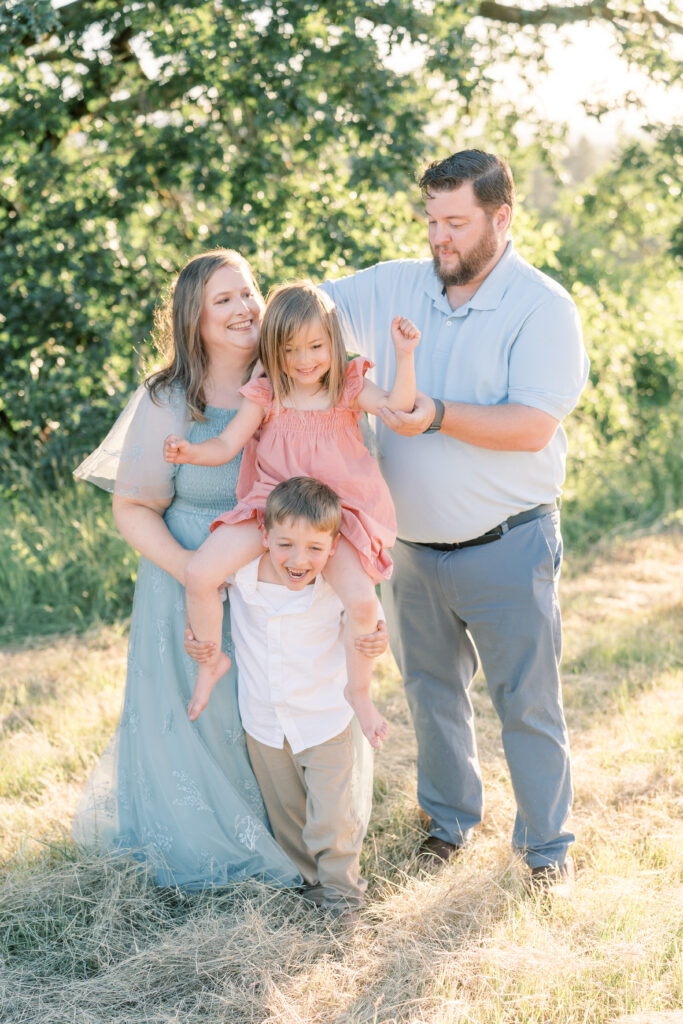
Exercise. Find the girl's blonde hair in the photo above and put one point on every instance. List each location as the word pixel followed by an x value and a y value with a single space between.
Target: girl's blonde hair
pixel 176 328
pixel 289 308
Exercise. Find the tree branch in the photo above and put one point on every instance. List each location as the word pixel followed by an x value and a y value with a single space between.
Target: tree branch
pixel 556 14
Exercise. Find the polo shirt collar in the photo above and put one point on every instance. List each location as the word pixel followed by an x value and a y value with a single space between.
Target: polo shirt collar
pixel 487 296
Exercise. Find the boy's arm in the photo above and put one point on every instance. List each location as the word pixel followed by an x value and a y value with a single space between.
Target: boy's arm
pixel 401 398
pixel 217 451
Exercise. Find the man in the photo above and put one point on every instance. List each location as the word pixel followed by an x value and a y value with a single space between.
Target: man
pixel 476 473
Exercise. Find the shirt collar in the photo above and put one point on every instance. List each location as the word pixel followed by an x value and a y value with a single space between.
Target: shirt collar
pixel 489 293
pixel 247 580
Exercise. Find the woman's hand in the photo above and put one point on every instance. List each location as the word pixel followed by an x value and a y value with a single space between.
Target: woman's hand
pixel 374 644
pixel 200 650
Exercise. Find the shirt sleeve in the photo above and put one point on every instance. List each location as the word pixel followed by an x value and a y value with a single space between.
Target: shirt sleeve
pixel 548 365
pixel 353 297
pixel 258 390
pixel 130 461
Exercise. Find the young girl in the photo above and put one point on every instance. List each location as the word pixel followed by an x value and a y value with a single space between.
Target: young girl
pixel 306 411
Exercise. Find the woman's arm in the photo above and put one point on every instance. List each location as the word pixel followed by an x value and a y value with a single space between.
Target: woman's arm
pixel 401 398
pixel 141 524
pixel 217 451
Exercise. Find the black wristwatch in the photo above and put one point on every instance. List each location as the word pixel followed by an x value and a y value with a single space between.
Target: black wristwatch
pixel 438 417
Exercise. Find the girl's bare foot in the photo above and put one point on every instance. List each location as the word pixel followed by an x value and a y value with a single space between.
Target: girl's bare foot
pixel 208 675
pixel 375 727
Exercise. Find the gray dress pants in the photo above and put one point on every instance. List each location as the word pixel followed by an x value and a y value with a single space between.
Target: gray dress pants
pixel 501 597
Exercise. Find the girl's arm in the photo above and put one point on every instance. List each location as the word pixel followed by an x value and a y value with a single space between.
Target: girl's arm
pixel 217 451
pixel 141 523
pixel 401 398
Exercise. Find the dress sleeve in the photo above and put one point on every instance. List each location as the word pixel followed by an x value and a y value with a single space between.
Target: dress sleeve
pixel 258 390
pixel 130 461
pixel 355 374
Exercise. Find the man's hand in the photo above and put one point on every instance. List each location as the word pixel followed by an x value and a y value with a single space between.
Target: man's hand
pixel 410 424
pixel 374 644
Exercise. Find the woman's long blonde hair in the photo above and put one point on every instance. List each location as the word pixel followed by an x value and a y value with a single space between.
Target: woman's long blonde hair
pixel 289 308
pixel 176 328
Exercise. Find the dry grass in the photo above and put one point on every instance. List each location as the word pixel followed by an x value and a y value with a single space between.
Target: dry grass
pixel 91 940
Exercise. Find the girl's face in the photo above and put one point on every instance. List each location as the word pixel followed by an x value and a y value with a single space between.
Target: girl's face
pixel 308 356
pixel 231 313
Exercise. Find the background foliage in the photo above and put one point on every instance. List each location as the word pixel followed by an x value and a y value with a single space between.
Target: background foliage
pixel 135 134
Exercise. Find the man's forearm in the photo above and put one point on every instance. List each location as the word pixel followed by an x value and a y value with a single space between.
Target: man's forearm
pixel 513 428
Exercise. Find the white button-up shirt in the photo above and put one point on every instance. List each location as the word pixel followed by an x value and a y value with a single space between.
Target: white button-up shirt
pixel 290 658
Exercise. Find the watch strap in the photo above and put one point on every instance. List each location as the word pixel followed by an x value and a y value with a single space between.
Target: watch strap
pixel 435 425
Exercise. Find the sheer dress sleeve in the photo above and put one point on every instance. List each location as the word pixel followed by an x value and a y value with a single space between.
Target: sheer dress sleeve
pixel 130 461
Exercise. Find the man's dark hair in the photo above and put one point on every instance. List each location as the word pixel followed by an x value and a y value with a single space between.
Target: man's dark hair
pixel 490 176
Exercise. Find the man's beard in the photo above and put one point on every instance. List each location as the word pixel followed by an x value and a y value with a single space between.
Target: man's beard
pixel 471 265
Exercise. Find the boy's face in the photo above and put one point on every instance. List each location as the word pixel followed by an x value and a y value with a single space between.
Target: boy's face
pixel 298 551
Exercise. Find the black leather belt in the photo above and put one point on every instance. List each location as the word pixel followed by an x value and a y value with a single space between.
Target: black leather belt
pixel 497 532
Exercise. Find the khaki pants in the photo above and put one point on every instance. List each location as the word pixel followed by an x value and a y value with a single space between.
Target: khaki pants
pixel 309 799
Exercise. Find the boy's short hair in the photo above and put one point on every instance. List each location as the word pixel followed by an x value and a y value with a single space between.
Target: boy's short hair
pixel 302 497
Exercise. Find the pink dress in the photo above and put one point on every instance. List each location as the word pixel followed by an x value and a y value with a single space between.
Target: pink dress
pixel 325 444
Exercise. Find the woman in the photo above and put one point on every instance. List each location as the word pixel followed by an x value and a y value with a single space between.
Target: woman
pixel 180 794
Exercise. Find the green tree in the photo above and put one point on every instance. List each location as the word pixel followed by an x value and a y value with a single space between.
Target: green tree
pixel 134 134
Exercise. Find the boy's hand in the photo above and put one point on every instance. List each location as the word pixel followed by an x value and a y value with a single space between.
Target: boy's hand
pixel 374 644
pixel 177 449
pixel 200 650
pixel 404 334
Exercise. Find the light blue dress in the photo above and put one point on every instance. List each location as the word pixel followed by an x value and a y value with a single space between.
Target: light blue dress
pixel 179 794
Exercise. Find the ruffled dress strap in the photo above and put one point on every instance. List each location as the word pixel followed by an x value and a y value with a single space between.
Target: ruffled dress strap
pixel 355 373
pixel 260 391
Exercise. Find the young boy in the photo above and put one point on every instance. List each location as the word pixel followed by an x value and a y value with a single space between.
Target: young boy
pixel 287 628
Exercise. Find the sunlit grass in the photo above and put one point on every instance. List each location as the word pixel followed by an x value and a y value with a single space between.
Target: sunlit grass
pixel 88 939
pixel 63 566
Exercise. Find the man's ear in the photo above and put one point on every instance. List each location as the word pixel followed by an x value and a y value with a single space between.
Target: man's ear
pixel 503 217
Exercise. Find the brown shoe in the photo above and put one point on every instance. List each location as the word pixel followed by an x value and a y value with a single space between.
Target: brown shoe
pixel 553 880
pixel 435 852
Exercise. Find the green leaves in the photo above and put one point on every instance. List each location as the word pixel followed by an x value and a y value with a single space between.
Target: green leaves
pixel 133 135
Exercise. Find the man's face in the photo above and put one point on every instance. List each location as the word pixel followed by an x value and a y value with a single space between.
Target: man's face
pixel 298 551
pixel 463 237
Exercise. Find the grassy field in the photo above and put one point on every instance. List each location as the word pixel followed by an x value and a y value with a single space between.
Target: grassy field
pixel 90 941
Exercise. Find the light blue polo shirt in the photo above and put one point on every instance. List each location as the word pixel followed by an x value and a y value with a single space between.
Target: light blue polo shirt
pixel 517 340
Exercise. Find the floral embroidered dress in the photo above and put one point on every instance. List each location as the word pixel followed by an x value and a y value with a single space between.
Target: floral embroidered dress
pixel 179 794
pixel 325 444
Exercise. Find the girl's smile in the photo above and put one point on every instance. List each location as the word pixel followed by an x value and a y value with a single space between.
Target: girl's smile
pixel 308 355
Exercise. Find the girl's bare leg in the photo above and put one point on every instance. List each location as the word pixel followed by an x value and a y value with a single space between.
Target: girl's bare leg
pixel 355 590
pixel 222 553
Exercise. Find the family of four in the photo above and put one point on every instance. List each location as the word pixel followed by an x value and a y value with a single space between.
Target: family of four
pixel 216 774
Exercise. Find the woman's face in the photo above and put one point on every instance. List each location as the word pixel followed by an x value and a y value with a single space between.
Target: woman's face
pixel 231 314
